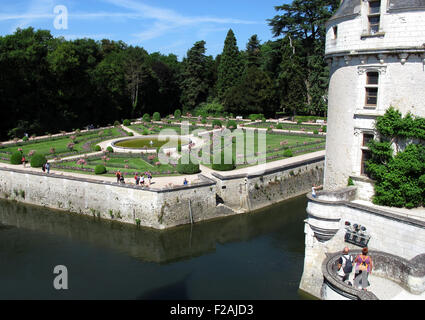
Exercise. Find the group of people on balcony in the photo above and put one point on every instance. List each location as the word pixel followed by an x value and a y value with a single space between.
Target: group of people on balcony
pixel 362 265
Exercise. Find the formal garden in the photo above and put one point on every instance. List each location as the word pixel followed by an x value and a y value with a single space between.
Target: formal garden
pixel 80 151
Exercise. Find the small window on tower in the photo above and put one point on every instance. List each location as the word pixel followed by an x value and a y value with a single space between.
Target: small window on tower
pixel 374 16
pixel 372 81
pixel 335 29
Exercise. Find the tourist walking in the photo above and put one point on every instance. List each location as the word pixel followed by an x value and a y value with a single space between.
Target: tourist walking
pixel 118 175
pixel 142 181
pixel 185 182
pixel 345 265
pixel 24 161
pixel 364 268
pixel 43 167
pixel 48 167
pixel 137 178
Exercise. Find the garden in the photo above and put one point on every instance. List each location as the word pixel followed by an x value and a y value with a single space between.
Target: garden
pixel 79 151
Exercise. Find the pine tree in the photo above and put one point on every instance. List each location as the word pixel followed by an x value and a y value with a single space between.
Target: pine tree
pixel 291 79
pixel 230 68
pixel 194 83
pixel 253 52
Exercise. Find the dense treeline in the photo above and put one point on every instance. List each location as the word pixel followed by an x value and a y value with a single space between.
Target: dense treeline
pixel 49 84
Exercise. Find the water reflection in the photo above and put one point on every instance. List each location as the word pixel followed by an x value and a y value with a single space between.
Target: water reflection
pixel 252 256
pixel 149 245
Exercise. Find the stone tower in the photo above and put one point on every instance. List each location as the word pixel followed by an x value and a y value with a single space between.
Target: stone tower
pixel 376 52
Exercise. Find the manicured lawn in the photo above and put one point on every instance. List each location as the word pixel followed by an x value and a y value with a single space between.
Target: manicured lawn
pixel 84 143
pixel 287 126
pixel 129 165
pixel 276 145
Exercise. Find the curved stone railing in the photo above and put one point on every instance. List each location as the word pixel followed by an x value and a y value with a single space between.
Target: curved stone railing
pixel 410 275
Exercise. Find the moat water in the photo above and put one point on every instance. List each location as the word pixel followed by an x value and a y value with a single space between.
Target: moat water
pixel 253 256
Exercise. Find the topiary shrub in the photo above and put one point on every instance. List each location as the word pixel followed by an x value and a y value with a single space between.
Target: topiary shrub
pixel 16 158
pixel 288 153
pixel 279 126
pixel 146 117
pixel 156 116
pixel 216 123
pixel 25 138
pixel 126 122
pixel 316 131
pixel 110 149
pixel 117 123
pixel 232 125
pixel 97 148
pixel 189 168
pixel 223 166
pixel 37 160
pixel 145 132
pixel 100 169
pixel 177 114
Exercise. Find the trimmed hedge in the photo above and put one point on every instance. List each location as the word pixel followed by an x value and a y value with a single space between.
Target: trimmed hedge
pixel 232 123
pixel 177 114
pixel 16 158
pixel 189 168
pixel 156 116
pixel 223 166
pixel 110 149
pixel 217 123
pixel 288 153
pixel 146 117
pixel 37 160
pixel 97 148
pixel 126 122
pixel 100 169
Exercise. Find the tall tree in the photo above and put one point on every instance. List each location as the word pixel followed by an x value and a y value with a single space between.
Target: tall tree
pixel 291 84
pixel 253 50
pixel 230 68
pixel 304 21
pixel 135 73
pixel 194 83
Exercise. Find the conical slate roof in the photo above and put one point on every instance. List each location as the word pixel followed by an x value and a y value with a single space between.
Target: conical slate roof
pixel 347 8
pixel 352 7
pixel 405 4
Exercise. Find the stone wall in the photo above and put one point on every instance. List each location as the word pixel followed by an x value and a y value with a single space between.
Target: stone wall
pixel 163 208
pixel 158 209
pixel 255 191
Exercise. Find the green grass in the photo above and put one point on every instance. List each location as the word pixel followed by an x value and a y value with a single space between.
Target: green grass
pixel 275 149
pixel 60 144
pixel 135 164
pixel 286 126
pixel 141 143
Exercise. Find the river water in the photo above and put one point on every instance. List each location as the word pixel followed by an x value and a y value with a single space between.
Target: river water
pixel 253 256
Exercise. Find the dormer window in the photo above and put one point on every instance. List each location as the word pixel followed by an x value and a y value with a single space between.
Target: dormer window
pixel 374 16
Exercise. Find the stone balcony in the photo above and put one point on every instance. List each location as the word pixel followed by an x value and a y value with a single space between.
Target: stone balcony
pixel 393 278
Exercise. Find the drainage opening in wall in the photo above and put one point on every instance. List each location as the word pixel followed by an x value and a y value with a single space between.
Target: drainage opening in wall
pixel 218 200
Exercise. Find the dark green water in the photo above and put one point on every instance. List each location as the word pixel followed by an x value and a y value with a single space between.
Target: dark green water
pixel 253 256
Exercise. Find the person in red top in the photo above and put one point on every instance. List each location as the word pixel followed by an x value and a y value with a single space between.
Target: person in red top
pixel 24 161
pixel 137 178
pixel 118 174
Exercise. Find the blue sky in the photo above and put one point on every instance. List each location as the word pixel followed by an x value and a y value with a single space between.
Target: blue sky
pixel 156 25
